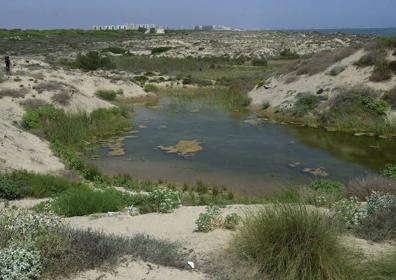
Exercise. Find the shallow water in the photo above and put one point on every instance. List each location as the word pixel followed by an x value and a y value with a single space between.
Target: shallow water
pixel 239 151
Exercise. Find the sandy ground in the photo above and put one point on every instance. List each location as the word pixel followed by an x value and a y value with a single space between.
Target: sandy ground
pixel 139 270
pixel 280 93
pixel 22 150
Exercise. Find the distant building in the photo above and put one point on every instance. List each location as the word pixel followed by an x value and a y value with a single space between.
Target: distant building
pixel 215 28
pixel 150 27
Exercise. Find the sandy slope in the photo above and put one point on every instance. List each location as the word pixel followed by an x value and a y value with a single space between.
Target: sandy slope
pixel 278 92
pixel 22 150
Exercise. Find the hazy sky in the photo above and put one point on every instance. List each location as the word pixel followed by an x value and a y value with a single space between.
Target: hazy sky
pixel 185 13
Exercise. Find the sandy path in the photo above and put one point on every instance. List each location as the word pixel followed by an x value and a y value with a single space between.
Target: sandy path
pixel 178 226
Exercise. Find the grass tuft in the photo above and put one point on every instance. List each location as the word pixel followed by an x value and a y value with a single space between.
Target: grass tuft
pixel 292 242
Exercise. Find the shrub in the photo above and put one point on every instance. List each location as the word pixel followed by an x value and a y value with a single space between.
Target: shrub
pixel 160 50
pixel 93 61
pixel 306 104
pixel 288 54
pixel 336 70
pixel 20 261
pixel 151 88
pixel 327 186
pixel 392 66
pixel 261 61
pixel 370 59
pixel 381 73
pixel 265 105
pixel 84 201
pixel 163 200
pixel 380 224
pixel 35 118
pixel 33 103
pixel 376 105
pixel 231 221
pixel 350 211
pixel 390 97
pixel 390 171
pixel 14 93
pixel 363 187
pixel 209 220
pixel 292 242
pixel 10 189
pixel 108 95
pixel 24 183
pixel 62 98
pixel 115 50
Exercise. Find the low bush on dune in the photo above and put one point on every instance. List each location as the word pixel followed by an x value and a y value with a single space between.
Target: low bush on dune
pixel 85 201
pixel 92 61
pixel 381 72
pixel 328 186
pixel 50 250
pixel 160 50
pixel 19 184
pixel 292 242
pixel 390 97
pixel 151 88
pixel 108 95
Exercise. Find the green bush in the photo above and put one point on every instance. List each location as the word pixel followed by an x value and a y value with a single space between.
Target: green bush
pixel 115 50
pixel 85 201
pixel 93 61
pixel 34 118
pixel 160 50
pixel 292 242
pixel 390 171
pixel 162 200
pixel 108 95
pixel 209 220
pixel 19 184
pixel 376 105
pixel 265 105
pixel 307 104
pixel 260 61
pixel 231 221
pixel 326 186
pixel 10 188
pixel 151 88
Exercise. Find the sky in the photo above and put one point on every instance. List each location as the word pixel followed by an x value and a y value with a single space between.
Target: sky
pixel 247 14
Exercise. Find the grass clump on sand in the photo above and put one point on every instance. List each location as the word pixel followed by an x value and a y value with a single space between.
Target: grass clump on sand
pixel 108 95
pixel 292 242
pixel 151 88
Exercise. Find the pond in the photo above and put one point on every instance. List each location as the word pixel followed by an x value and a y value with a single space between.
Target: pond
pixel 235 149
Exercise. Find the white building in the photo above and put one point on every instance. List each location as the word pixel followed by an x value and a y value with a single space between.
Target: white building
pixel 158 29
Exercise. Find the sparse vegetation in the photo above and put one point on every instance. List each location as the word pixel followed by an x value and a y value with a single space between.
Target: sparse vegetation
pixel 381 72
pixel 14 93
pixel 390 171
pixel 33 103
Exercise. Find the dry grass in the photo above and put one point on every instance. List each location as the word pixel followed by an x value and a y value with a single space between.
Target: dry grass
pixel 33 103
pixel 14 93
pixel 62 98
pixel 363 187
